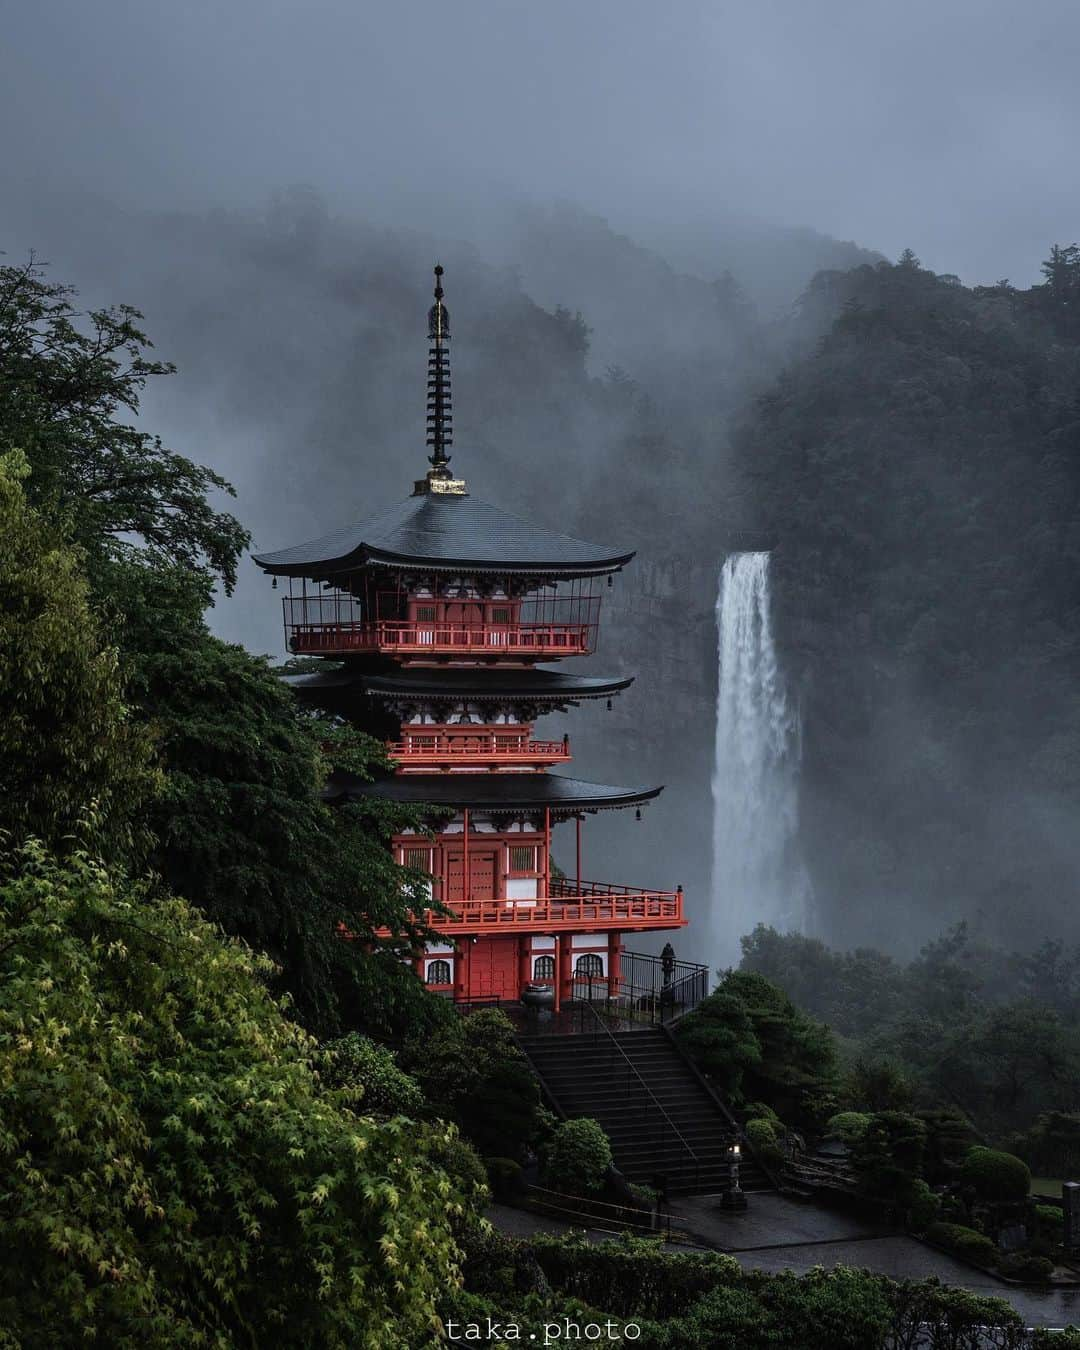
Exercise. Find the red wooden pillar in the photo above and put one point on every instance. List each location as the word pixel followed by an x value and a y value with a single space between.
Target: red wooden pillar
pixel 614 971
pixel 524 962
pixel 466 888
pixel 461 968
pixel 558 968
pixel 563 959
pixel 577 876
pixel 547 850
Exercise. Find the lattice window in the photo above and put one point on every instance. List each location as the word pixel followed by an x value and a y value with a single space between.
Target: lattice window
pixel 522 857
pixel 544 968
pixel 589 965
pixel 420 858
pixel 438 972
pixel 425 613
pixel 500 615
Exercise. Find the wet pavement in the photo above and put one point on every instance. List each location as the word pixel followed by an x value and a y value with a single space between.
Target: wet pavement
pixel 775 1233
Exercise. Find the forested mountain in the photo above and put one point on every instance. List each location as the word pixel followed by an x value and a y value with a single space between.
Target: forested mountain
pixel 921 471
pixel 908 442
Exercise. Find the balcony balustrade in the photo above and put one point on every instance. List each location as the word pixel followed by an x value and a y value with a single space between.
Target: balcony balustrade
pixel 405 637
pixel 460 746
pixel 569 907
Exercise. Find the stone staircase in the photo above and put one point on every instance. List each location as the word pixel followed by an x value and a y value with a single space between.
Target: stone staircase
pixel 660 1118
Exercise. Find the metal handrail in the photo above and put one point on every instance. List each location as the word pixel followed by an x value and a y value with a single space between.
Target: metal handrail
pixel 648 1090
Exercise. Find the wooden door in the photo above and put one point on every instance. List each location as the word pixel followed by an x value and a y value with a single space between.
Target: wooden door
pixel 493 968
pixel 481 875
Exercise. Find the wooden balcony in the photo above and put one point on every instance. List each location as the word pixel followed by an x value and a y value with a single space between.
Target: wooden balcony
pixel 456 747
pixel 569 907
pixel 534 641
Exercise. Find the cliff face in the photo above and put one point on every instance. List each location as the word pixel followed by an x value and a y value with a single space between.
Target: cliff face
pixel 657 624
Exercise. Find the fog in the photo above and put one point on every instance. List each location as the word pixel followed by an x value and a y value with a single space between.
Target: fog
pixel 270 184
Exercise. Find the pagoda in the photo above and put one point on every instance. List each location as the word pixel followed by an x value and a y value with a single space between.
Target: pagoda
pixel 433 617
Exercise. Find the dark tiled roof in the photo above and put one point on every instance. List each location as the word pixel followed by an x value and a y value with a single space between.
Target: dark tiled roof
pixel 491 791
pixel 474 682
pixel 443 530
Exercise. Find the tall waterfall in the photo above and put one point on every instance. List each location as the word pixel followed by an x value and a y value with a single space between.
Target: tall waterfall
pixel 758 875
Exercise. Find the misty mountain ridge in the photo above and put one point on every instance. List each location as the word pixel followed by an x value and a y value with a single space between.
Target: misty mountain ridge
pixel 605 393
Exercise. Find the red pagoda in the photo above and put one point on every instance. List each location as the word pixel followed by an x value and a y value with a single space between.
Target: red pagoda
pixel 433 617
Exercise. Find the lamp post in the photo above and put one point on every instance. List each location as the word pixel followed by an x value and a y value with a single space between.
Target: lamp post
pixel 734 1196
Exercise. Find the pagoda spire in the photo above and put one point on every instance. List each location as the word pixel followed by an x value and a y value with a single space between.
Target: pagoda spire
pixel 440 416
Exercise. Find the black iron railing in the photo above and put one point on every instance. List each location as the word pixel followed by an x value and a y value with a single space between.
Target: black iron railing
pixel 658 990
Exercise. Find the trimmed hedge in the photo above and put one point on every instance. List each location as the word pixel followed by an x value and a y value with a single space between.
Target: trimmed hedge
pixel 761 1136
pixel 847 1126
pixel 996 1177
pixel 964 1242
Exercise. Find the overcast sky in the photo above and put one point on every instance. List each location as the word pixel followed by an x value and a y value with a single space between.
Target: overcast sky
pixel 946 125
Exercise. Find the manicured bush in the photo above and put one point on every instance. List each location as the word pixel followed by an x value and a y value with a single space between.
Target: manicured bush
pixel 357 1063
pixel 924 1209
pixel 888 1157
pixel 965 1242
pixel 761 1136
pixel 996 1177
pixel 505 1177
pixel 847 1126
pixel 1027 1266
pixel 578 1158
pixel 1050 1222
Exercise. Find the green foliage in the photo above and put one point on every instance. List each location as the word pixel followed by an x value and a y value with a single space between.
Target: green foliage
pixel 996 1177
pixel 1049 1223
pixel 371 1071
pixel 630 1277
pixel 1026 1266
pixel 753 1041
pixel 172 1171
pixel 966 1242
pixel 1051 1147
pixel 922 446
pixel 471 1072
pixel 889 1156
pixel 924 1207
pixel 578 1158
pixel 848 1126
pixel 719 1036
pixel 505 1176
pixel 762 1138
pixel 66 378
pixel 241 822
pixel 73 762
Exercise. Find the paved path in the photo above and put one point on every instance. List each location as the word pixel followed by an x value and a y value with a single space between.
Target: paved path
pixel 776 1234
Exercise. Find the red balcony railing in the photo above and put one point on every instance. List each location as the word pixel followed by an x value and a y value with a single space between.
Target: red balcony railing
pixel 459 745
pixel 409 637
pixel 582 907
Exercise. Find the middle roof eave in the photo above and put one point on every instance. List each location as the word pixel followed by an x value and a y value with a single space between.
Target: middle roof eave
pixel 498 793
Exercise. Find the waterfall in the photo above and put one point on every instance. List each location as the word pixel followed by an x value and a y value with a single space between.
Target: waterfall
pixel 758 875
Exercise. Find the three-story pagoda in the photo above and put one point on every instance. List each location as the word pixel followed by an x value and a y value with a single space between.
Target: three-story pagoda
pixel 436 614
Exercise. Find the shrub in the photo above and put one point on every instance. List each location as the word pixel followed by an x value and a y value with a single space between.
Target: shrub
pixel 762 1111
pixel 761 1136
pixel 631 1277
pixel 1050 1222
pixel 996 1177
pixel 1026 1266
pixel 847 1126
pixel 505 1176
pixel 357 1063
pixel 578 1157
pixel 172 1169
pixel 965 1242
pixel 889 1156
pixel 924 1209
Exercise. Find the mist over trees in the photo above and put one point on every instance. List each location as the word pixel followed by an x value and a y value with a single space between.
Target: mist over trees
pixel 905 440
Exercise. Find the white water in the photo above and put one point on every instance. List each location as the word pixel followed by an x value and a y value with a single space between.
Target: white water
pixel 758 874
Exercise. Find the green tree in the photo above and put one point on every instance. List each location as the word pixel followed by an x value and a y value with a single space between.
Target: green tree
pixel 66 378
pixel 72 758
pixel 242 824
pixel 172 1170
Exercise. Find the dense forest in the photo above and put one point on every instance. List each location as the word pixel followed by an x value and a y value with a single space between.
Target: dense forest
pixel 919 469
